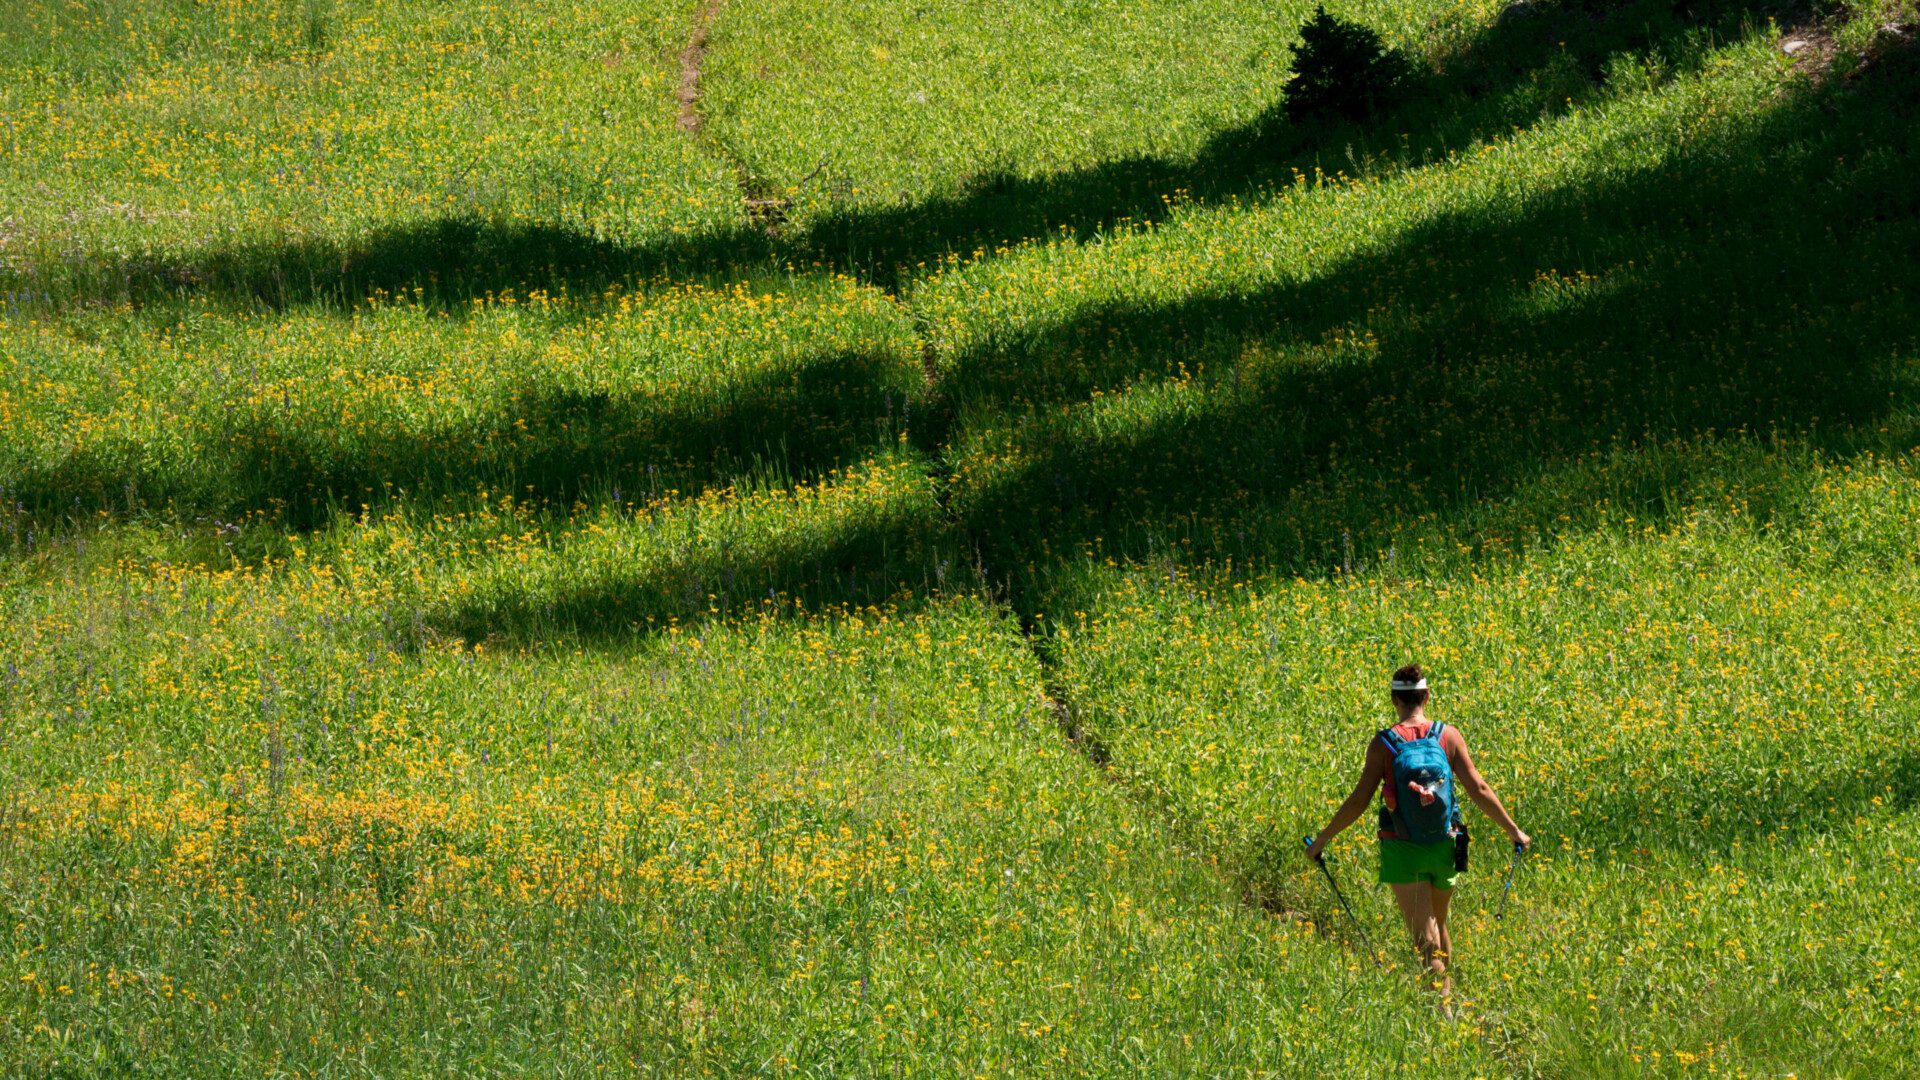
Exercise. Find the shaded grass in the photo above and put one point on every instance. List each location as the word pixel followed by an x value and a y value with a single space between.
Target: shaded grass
pixel 1700 740
pixel 670 390
pixel 1485 380
pixel 762 846
pixel 1540 331
pixel 1477 85
pixel 871 536
pixel 1512 417
pixel 564 444
pixel 211 147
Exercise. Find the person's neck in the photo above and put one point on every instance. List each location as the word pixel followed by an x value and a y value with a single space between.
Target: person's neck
pixel 1413 716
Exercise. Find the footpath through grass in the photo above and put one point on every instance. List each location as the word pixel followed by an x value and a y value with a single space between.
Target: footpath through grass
pixel 254 821
pixel 1699 723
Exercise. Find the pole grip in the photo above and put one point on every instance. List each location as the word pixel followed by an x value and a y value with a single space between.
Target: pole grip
pixel 1321 858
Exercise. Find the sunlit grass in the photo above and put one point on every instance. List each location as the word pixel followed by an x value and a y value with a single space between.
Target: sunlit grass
pixel 643 391
pixel 476 598
pixel 760 839
pixel 137 129
pixel 1691 719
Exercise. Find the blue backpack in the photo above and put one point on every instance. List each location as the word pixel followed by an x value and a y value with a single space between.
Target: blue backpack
pixel 1419 787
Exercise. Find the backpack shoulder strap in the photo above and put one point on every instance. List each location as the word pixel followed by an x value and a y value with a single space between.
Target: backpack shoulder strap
pixel 1393 740
pixel 1434 731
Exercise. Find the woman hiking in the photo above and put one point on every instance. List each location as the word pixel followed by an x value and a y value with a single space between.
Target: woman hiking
pixel 1414 764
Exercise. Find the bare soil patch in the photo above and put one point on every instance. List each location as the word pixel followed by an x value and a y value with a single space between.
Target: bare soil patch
pixel 691 59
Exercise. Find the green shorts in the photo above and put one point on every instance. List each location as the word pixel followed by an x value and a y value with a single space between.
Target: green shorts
pixel 1403 862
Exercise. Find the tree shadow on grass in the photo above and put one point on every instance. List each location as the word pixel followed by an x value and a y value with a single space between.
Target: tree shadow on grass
pixel 1750 803
pixel 1493 395
pixel 1769 299
pixel 553 445
pixel 1472 359
pixel 1538 60
pixel 447 262
pixel 890 559
pixel 1764 294
pixel 566 447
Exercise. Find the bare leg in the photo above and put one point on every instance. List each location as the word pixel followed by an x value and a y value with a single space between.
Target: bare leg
pixel 1442 900
pixel 1417 909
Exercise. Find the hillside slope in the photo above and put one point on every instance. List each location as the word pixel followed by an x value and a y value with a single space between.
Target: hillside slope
pixel 496 577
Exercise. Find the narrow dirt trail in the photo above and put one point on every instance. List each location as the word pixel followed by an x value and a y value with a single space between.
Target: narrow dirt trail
pixel 764 207
pixel 769 211
pixel 692 59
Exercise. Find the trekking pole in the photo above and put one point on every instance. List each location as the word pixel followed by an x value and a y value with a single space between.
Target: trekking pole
pixel 1504 893
pixel 1321 861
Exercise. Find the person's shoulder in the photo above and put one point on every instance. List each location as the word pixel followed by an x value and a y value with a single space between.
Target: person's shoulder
pixel 1451 734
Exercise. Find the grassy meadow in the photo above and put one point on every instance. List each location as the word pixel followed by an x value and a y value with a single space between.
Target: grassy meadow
pixel 496 579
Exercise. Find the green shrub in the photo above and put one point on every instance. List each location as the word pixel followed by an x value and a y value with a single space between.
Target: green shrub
pixel 1341 69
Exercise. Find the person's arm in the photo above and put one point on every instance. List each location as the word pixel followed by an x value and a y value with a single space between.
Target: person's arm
pixel 1480 791
pixel 1371 772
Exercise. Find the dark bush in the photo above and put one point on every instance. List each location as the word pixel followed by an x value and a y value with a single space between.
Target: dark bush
pixel 1341 69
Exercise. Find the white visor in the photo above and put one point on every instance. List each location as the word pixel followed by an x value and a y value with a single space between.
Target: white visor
pixel 1401 684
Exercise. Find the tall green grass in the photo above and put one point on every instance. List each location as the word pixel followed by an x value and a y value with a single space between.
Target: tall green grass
pixel 261 151
pixel 475 598
pixel 1698 722
pixel 257 821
